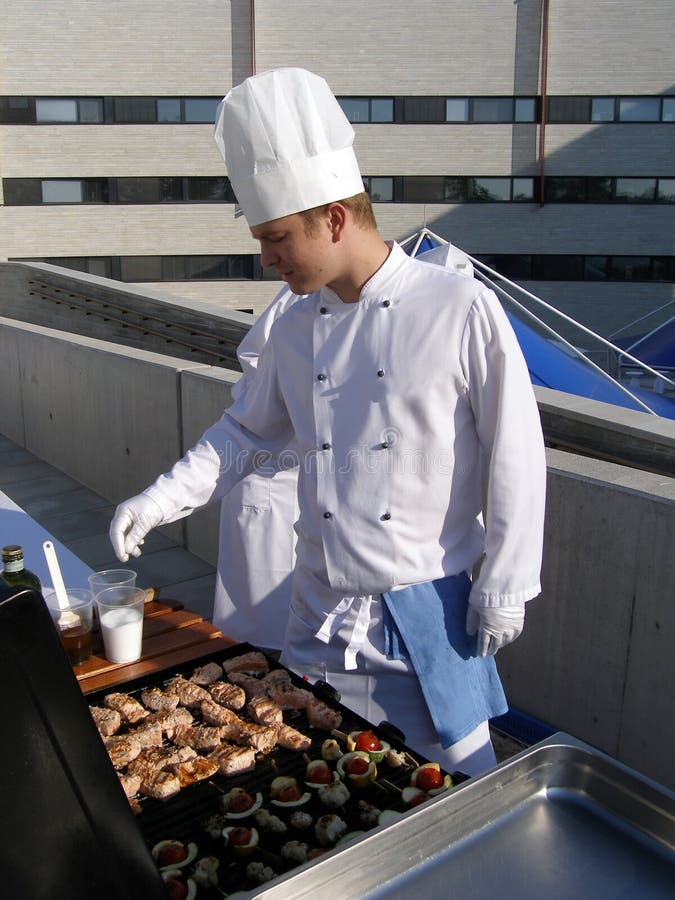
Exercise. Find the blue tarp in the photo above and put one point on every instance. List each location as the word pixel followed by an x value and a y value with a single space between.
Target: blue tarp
pixel 656 349
pixel 551 364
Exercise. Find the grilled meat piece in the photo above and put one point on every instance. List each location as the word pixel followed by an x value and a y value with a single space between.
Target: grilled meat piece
pixel 189 693
pixel 207 674
pixel 253 687
pixel 161 785
pixel 153 759
pixel 194 770
pixel 233 760
pixel 122 749
pixel 291 739
pixel 108 721
pixel 321 716
pixel 149 734
pixel 130 710
pixel 170 721
pixel 265 711
pixel 288 696
pixel 158 700
pixel 266 821
pixel 262 738
pixel 231 695
pixel 130 784
pixel 253 662
pixel 276 677
pixel 215 714
pixel 199 737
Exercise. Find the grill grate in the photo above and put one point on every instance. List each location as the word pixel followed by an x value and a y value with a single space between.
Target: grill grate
pixel 182 817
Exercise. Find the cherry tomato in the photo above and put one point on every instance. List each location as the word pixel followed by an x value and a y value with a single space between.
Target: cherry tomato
pixel 428 779
pixel 288 794
pixel 320 775
pixel 176 890
pixel 240 803
pixel 357 765
pixel 421 797
pixel 368 741
pixel 171 854
pixel 239 837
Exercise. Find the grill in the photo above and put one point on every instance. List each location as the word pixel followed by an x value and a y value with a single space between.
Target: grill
pixel 183 816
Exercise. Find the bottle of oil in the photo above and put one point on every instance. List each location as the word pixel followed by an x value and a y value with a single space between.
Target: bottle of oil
pixel 14 573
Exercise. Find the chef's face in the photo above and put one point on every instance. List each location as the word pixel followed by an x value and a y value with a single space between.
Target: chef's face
pixel 306 261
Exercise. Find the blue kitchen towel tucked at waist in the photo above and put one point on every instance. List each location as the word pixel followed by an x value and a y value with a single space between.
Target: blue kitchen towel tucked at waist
pixel 427 624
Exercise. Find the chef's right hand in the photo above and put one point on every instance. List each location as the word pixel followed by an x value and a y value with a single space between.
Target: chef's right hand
pixel 133 519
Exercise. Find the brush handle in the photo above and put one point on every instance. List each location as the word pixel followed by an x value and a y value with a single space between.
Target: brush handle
pixel 55 572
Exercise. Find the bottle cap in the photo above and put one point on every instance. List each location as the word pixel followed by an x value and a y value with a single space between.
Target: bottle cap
pixel 12 551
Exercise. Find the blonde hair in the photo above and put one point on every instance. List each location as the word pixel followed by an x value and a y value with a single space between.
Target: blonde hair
pixel 359 206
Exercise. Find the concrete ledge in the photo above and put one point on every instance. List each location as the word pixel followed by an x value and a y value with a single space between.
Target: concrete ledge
pixel 612 432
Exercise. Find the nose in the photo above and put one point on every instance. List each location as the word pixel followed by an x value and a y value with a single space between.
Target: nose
pixel 268 255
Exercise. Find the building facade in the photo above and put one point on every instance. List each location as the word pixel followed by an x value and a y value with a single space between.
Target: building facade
pixel 538 136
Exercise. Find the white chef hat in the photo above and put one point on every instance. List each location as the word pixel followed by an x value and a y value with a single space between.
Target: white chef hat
pixel 287 144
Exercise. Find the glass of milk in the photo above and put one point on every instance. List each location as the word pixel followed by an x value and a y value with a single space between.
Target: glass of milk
pixel 120 615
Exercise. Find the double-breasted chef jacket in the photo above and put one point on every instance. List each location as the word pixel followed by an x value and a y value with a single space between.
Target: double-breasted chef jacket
pixel 411 411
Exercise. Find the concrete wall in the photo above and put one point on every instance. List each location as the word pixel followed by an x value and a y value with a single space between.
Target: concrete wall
pixel 596 656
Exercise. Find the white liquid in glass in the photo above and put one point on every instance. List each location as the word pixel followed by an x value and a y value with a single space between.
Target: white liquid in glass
pixel 122 631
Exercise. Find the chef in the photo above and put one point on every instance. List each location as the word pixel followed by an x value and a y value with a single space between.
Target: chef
pixel 404 392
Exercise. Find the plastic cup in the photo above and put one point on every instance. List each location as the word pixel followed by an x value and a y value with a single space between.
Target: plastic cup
pixel 75 637
pixel 99 581
pixel 120 616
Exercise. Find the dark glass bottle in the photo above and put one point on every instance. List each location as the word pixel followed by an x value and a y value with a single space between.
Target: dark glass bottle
pixel 14 573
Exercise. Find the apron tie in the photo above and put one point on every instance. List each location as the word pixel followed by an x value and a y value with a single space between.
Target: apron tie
pixel 335 620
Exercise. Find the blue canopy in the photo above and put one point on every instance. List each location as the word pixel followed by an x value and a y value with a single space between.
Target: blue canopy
pixel 656 349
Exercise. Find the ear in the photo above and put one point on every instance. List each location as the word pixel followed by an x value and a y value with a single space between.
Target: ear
pixel 337 219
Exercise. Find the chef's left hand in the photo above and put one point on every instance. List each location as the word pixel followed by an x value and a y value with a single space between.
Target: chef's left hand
pixel 496 626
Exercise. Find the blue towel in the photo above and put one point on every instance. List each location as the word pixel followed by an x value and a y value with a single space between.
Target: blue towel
pixel 426 624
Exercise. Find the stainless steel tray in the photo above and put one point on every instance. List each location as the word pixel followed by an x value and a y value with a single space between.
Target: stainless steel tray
pixel 560 820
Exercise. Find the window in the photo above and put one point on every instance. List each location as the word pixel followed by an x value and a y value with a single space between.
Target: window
pixel 22 191
pixel 515 267
pixel 602 109
pixel 666 190
pixel 134 109
pixel 201 109
pixel 381 189
pixel 492 109
pixel 553 267
pixel 630 268
pixel 599 190
pixel 90 110
pixel 639 109
pixel 569 109
pixel 209 190
pixel 423 189
pixel 149 190
pixel 564 189
pixel 595 268
pixel 357 109
pixel 523 189
pixel 489 189
pixel 56 110
pixel 168 109
pixel 457 109
pixel 17 110
pixel 141 268
pixel 525 109
pixel 636 190
pixel 382 109
pixel 61 191
pixel 421 109
pixel 668 112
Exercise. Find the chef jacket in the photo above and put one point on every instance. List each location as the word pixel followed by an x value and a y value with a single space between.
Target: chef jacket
pixel 402 406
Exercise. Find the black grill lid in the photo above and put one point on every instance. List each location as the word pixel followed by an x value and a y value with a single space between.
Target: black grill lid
pixel 66 828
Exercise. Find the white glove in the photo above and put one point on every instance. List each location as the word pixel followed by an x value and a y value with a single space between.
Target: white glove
pixel 496 626
pixel 133 519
